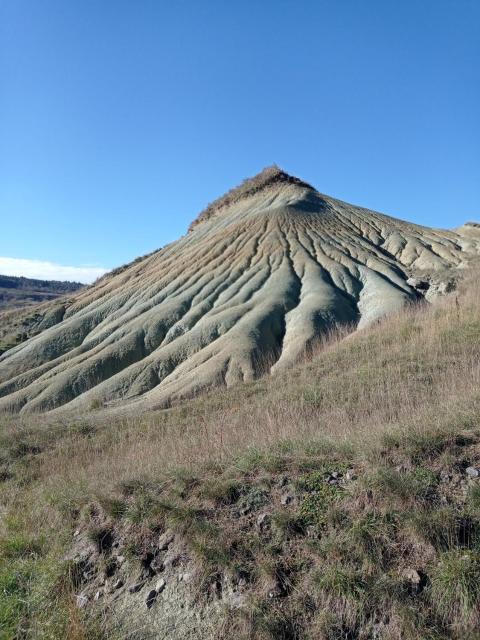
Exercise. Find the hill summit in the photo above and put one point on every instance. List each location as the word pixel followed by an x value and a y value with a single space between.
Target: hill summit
pixel 263 273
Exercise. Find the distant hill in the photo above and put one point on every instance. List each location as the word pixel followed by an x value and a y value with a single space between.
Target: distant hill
pixel 28 306
pixel 18 292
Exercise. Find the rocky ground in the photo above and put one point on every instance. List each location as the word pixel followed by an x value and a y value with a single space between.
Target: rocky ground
pixel 333 552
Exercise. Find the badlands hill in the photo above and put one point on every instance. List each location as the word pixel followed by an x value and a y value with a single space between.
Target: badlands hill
pixel 263 273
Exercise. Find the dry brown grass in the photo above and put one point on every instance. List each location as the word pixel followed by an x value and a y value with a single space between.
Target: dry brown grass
pixel 352 390
pixel 404 384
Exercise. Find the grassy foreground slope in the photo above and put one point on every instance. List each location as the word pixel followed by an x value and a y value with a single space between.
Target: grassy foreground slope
pixel 328 501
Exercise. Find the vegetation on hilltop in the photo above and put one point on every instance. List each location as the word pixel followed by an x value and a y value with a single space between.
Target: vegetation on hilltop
pixel 269 177
pixel 333 499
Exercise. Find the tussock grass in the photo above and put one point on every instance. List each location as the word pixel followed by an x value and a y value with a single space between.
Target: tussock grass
pixel 398 404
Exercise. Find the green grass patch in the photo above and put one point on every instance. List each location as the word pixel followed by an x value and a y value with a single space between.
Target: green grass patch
pixel 455 585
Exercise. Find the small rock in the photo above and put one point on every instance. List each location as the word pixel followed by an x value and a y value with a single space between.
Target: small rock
pixel 417 582
pixel 171 560
pixel 97 596
pixel 165 540
pixel 472 472
pixel 416 283
pixel 120 559
pixel 161 584
pixel 287 498
pixel 76 533
pixel 276 592
pixel 118 584
pixel 412 576
pixel 82 601
pixel 151 597
pixel 237 600
pixel 335 475
pixel 263 521
pixel 446 287
pixel 350 475
pixel 136 586
pixel 186 577
pixel 157 565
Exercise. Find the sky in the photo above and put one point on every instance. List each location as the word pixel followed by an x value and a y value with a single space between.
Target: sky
pixel 120 120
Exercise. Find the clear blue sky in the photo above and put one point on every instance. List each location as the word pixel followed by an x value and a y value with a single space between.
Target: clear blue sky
pixel 120 120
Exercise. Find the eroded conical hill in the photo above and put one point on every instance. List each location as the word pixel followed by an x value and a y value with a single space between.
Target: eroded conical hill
pixel 263 272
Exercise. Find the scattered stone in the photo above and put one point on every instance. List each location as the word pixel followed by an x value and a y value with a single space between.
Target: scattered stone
pixel 416 283
pixel 151 597
pixel 157 565
pixel 165 540
pixel 472 472
pixel 350 475
pixel 118 584
pixel 411 575
pixel 186 577
pixel 287 498
pixel 263 521
pixel 416 580
pixel 120 559
pixel 82 601
pixel 161 584
pixel 237 600
pixel 170 560
pixel 136 586
pixel 97 596
pixel 242 581
pixel 276 592
pixel 446 287
pixel 76 533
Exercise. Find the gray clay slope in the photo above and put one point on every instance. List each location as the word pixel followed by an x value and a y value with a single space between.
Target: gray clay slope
pixel 262 273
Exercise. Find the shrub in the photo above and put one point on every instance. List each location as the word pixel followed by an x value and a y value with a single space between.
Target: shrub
pixel 419 484
pixel 221 490
pixel 455 585
pixel 342 582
